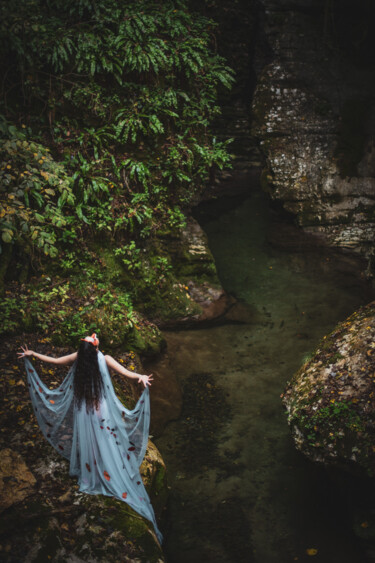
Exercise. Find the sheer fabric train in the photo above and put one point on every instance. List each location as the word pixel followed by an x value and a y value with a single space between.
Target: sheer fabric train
pixel 105 447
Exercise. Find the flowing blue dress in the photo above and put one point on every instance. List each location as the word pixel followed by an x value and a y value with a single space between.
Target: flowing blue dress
pixel 105 446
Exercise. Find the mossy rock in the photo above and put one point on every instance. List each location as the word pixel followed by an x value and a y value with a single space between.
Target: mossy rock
pixel 145 339
pixel 191 255
pixel 154 475
pixel 48 527
pixel 331 399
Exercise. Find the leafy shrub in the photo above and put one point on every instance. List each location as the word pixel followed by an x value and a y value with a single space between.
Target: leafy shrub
pixel 35 194
pixel 113 102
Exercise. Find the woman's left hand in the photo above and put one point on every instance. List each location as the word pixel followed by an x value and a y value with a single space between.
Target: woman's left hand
pixel 145 379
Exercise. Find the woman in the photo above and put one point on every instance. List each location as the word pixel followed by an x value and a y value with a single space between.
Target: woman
pixel 88 425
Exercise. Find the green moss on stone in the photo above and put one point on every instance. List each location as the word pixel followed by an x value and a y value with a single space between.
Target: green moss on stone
pixel 198 270
pixel 159 489
pixel 327 423
pixel 135 528
pixel 172 303
pixel 145 339
pixel 114 270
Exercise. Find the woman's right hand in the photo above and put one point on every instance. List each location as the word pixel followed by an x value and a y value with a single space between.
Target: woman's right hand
pixel 25 352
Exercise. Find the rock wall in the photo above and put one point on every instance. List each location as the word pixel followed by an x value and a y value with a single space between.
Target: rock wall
pixel 314 116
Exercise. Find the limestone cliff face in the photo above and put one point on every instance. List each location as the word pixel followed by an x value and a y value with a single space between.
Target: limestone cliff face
pixel 314 116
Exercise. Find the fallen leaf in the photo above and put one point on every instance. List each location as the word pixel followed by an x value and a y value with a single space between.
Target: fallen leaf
pixel 28 443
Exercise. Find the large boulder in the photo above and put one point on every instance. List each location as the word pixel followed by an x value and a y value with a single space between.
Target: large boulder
pixel 331 399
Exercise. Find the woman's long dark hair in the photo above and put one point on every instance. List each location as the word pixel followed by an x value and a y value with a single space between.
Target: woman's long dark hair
pixel 88 384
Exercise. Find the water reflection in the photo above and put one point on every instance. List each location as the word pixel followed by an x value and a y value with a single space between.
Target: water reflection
pixel 241 492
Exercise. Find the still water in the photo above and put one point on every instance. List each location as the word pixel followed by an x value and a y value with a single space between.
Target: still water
pixel 239 490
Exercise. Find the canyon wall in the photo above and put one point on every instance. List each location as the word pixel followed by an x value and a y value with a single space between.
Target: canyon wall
pixel 313 113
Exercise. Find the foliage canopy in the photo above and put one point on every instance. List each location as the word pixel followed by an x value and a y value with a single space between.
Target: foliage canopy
pixel 112 103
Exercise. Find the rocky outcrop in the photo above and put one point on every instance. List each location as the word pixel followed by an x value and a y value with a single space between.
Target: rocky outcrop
pixel 153 473
pixel 331 399
pixel 204 287
pixel 314 116
pixel 58 523
pixel 198 295
pixel 16 480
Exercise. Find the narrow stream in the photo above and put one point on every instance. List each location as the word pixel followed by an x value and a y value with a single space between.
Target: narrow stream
pixel 240 492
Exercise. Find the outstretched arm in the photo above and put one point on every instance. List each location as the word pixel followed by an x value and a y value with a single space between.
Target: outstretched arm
pixel 111 363
pixel 62 361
